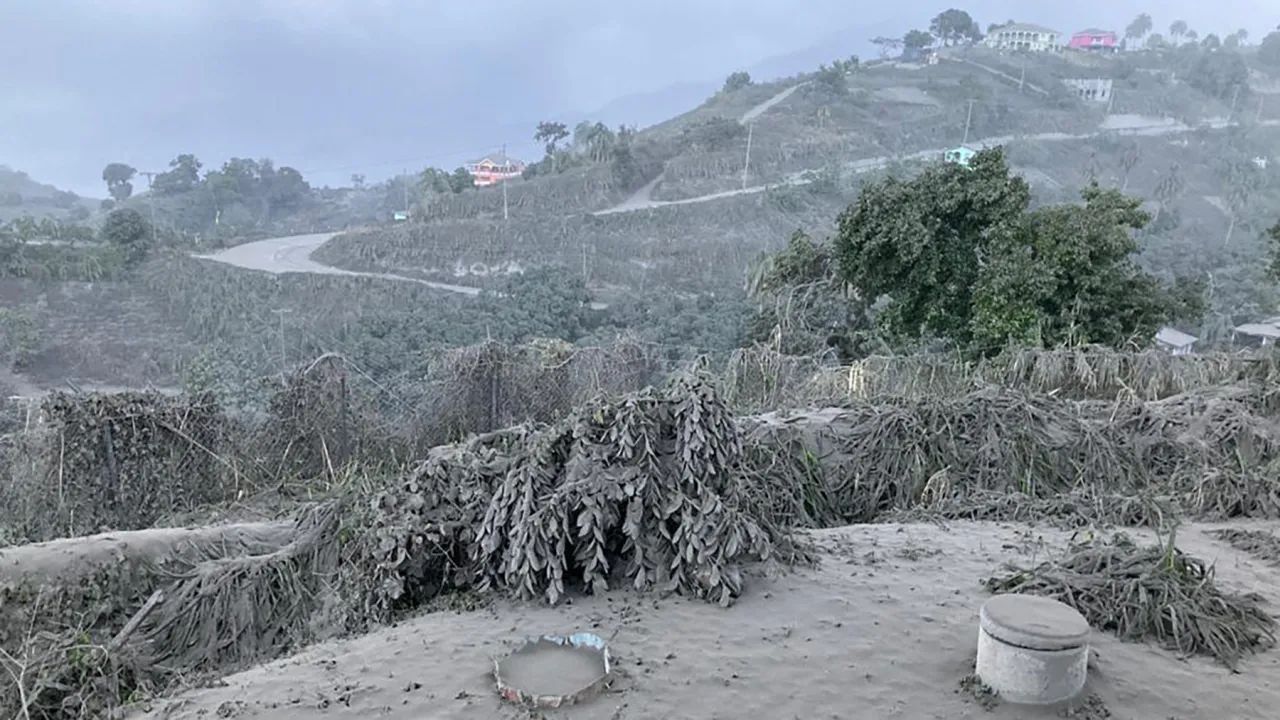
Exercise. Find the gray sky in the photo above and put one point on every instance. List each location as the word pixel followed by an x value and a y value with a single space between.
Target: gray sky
pixel 341 86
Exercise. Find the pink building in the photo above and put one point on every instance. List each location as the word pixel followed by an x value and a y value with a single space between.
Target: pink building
pixel 1094 39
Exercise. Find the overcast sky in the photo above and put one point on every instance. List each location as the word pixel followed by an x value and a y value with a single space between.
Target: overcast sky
pixel 335 87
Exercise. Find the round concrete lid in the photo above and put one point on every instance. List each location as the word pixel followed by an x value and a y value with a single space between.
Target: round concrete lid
pixel 1037 623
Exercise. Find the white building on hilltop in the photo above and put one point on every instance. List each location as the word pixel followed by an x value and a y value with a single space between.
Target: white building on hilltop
pixel 1024 36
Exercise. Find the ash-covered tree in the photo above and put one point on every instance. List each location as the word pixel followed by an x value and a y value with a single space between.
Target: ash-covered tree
pixel 804 306
pixel 127 230
pixel 461 180
pixel 834 78
pixel 183 176
pixel 118 177
pixel 1219 74
pixel 1236 40
pixel 889 46
pixel 551 133
pixel 920 242
pixel 955 26
pixel 1269 50
pixel 1273 235
pixel 736 81
pixel 917 40
pixel 1177 29
pixel 955 254
pixel 546 302
pixel 1066 275
pixel 1139 28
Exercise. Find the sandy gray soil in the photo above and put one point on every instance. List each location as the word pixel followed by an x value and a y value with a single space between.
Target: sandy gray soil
pixel 885 627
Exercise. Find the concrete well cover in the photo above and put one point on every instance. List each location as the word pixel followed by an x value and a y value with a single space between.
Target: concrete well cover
pixel 554 670
pixel 1033 622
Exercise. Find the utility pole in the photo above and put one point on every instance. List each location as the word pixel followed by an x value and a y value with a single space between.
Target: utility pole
pixel 746 162
pixel 406 192
pixel 1111 101
pixel 967 122
pixel 284 363
pixel 151 201
pixel 1022 80
pixel 1235 97
pixel 505 162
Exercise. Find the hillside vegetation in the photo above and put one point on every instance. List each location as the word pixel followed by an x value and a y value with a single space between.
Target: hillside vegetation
pixel 671 266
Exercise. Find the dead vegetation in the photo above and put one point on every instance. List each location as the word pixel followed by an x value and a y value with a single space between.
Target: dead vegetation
pixel 117 461
pixel 1149 593
pixel 654 489
pixel 759 378
pixel 999 454
pixel 1262 545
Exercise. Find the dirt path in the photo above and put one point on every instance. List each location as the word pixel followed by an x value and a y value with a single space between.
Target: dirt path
pixel 763 107
pixel 884 627
pixel 642 199
pixel 292 254
pixel 1005 75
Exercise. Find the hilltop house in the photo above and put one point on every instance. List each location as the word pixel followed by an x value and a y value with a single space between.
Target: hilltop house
pixel 960 155
pixel 1023 36
pixel 1174 341
pixel 1094 40
pixel 495 168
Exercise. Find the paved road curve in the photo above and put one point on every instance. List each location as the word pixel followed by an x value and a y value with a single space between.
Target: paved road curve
pixel 292 254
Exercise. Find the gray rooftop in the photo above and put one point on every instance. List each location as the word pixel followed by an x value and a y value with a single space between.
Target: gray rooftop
pixel 1025 27
pixel 1174 338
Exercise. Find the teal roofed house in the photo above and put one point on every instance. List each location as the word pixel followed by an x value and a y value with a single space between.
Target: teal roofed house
pixel 960 156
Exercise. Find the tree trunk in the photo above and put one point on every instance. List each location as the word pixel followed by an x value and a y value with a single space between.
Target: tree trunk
pixel 1231 228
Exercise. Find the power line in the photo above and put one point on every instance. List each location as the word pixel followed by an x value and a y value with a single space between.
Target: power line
pixel 967 122
pixel 151 201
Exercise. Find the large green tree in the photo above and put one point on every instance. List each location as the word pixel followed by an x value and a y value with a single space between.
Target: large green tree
pixel 921 242
pixel 956 254
pixel 736 81
pixel 127 230
pixel 117 176
pixel 183 176
pixel 917 40
pixel 955 26
pixel 1066 275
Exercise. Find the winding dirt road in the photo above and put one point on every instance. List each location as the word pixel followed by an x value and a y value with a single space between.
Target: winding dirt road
pixel 292 254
